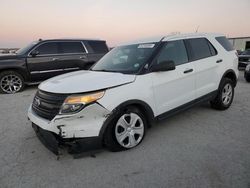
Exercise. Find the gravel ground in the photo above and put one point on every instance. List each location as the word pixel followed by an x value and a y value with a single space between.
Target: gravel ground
pixel 198 148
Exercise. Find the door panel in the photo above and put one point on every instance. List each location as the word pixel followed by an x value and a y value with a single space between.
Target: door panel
pixel 173 88
pixel 177 87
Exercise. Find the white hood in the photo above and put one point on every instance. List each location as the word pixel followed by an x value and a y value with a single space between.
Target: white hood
pixel 85 81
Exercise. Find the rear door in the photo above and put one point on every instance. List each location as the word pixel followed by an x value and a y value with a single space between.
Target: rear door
pixel 96 50
pixel 177 87
pixel 73 55
pixel 207 63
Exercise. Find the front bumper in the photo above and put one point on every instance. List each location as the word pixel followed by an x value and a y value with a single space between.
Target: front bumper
pixel 71 129
pixel 75 145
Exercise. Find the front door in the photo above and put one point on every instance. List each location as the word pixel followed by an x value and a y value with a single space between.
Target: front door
pixel 176 87
pixel 45 61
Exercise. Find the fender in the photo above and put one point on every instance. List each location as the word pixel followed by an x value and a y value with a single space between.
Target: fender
pixel 17 64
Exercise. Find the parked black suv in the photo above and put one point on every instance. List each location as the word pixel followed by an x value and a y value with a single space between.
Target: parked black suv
pixel 44 59
pixel 244 59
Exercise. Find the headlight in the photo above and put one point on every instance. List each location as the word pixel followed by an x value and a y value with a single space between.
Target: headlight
pixel 248 68
pixel 76 103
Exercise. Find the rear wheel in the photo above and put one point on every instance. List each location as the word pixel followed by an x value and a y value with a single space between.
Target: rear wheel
pixel 126 131
pixel 247 77
pixel 224 96
pixel 11 82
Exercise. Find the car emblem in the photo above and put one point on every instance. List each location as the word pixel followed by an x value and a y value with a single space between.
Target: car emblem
pixel 37 102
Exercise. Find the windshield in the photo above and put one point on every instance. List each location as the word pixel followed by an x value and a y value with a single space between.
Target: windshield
pixel 125 59
pixel 26 48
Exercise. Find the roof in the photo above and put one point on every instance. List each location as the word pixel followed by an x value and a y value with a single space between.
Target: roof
pixel 71 39
pixel 239 38
pixel 173 37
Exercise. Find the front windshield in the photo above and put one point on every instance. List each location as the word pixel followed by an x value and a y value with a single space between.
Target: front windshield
pixel 125 59
pixel 26 48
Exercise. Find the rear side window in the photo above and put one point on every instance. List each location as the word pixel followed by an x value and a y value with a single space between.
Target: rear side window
pixel 71 47
pixel 225 43
pixel 173 51
pixel 47 48
pixel 98 46
pixel 200 48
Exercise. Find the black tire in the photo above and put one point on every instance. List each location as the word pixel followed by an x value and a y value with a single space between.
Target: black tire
pixel 247 77
pixel 218 103
pixel 110 140
pixel 13 74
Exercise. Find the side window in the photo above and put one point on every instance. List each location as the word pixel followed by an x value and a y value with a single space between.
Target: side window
pixel 173 51
pixel 199 48
pixel 71 47
pixel 98 46
pixel 225 43
pixel 47 48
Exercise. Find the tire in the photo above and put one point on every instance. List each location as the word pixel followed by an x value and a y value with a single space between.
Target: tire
pixel 121 132
pixel 247 77
pixel 11 82
pixel 224 96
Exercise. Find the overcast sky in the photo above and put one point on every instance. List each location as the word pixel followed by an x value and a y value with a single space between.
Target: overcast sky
pixel 116 21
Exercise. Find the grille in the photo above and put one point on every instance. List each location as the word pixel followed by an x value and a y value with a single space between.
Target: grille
pixel 47 105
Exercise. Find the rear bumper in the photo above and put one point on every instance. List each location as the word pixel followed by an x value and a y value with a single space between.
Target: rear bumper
pixel 75 145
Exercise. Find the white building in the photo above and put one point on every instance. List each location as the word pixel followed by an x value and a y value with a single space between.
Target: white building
pixel 240 43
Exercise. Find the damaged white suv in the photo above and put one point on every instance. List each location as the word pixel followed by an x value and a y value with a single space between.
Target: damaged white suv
pixel 115 102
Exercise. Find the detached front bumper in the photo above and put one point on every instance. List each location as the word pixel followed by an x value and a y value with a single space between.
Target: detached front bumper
pixel 80 131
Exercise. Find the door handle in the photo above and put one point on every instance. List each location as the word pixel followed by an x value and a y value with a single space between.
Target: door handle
pixel 188 70
pixel 54 59
pixel 219 61
pixel 83 57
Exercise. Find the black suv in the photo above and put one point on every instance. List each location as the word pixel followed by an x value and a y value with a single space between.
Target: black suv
pixel 44 59
pixel 244 59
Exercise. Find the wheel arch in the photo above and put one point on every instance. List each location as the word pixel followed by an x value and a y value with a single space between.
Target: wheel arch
pixel 231 75
pixel 20 71
pixel 141 105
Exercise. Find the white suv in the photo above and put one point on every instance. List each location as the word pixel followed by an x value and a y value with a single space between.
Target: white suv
pixel 115 102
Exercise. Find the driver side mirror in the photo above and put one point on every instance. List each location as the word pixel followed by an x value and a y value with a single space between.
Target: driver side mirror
pixel 34 53
pixel 163 66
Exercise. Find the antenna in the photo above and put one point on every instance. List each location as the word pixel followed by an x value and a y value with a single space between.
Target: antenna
pixel 197 29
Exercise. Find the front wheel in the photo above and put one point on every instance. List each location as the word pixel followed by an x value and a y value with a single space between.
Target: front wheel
pixel 126 131
pixel 224 96
pixel 11 82
pixel 247 77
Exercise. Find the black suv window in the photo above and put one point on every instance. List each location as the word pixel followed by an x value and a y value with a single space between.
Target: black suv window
pixel 225 43
pixel 47 48
pixel 71 47
pixel 173 51
pixel 98 46
pixel 200 48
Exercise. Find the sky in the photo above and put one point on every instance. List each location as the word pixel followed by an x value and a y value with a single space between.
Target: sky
pixel 118 21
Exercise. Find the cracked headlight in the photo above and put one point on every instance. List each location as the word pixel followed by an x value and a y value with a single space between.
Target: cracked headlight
pixel 76 103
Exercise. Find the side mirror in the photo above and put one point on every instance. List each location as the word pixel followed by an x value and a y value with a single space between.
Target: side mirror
pixel 34 53
pixel 163 66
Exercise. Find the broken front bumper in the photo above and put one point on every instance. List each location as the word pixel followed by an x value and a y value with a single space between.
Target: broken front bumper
pixel 80 131
pixel 75 145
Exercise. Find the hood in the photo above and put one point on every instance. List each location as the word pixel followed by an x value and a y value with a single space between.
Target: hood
pixel 84 81
pixel 8 56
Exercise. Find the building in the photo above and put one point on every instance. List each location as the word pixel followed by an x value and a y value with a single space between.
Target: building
pixel 240 43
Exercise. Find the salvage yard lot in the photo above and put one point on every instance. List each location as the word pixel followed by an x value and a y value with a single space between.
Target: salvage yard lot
pixel 201 147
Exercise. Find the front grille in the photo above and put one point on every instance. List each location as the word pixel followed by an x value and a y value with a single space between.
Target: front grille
pixel 47 105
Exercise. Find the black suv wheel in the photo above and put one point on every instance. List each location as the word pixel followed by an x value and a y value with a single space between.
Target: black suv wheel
pixel 11 82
